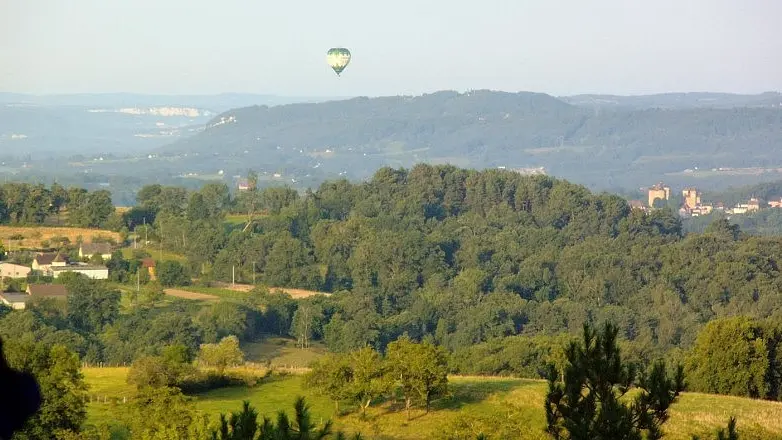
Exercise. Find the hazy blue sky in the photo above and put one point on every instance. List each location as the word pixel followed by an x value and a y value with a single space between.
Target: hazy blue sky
pixel 399 47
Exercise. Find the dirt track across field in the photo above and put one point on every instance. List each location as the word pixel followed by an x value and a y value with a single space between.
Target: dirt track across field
pixel 190 295
pixel 297 293
pixel 294 293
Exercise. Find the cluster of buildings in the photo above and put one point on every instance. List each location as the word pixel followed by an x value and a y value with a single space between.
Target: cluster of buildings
pixel 693 206
pixel 53 265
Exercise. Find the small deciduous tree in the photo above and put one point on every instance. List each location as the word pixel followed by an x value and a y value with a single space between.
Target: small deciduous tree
pixel 305 320
pixel 369 378
pixel 164 413
pixel 221 355
pixel 172 273
pixel 733 356
pixel 419 369
pixel 161 371
pixel 150 371
pixel 358 376
pixel 331 375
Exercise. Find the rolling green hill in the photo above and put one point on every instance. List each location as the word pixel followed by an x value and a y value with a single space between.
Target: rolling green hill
pixel 615 143
pixel 601 148
pixel 679 100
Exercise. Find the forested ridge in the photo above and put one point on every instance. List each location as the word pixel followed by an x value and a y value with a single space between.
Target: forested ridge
pixel 598 146
pixel 465 256
pixel 462 257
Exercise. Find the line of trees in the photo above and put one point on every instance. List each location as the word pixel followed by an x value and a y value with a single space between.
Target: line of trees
pixel 417 371
pixel 24 203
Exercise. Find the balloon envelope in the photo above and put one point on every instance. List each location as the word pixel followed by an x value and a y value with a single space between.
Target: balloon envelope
pixel 338 58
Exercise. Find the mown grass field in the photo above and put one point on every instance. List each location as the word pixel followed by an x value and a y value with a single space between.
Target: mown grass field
pixel 154 252
pixel 282 352
pixel 35 235
pixel 220 293
pixel 500 407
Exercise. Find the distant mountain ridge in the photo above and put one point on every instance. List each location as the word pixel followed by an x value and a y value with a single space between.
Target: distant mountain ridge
pixel 68 124
pixel 227 101
pixel 679 100
pixel 216 103
pixel 617 146
pixel 710 140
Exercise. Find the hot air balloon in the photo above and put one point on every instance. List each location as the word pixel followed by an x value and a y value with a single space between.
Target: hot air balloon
pixel 338 58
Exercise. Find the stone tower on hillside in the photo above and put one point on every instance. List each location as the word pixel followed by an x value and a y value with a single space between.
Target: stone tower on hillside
pixel 659 191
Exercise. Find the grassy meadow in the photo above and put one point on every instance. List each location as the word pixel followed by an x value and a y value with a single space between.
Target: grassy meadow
pixel 282 352
pixel 154 251
pixel 500 407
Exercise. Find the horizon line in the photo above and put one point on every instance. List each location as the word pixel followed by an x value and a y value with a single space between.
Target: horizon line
pixel 306 96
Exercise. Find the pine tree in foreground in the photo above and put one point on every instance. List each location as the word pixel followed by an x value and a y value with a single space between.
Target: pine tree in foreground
pixel 730 434
pixel 589 403
pixel 243 425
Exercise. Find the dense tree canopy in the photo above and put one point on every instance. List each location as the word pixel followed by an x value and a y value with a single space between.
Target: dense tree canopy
pixel 24 203
pixel 738 356
pixel 492 265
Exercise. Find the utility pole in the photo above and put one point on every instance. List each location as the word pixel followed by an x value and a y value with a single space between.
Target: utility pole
pixel 138 279
pixel 253 273
pixel 161 241
pixel 233 276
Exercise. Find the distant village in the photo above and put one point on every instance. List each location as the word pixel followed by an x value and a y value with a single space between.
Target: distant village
pixel 693 206
pixel 53 264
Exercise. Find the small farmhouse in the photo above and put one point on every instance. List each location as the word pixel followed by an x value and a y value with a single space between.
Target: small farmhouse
pixel 16 301
pixel 149 264
pixel 45 261
pixel 87 250
pixel 47 290
pixel 42 262
pixel 9 270
pixel 94 272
